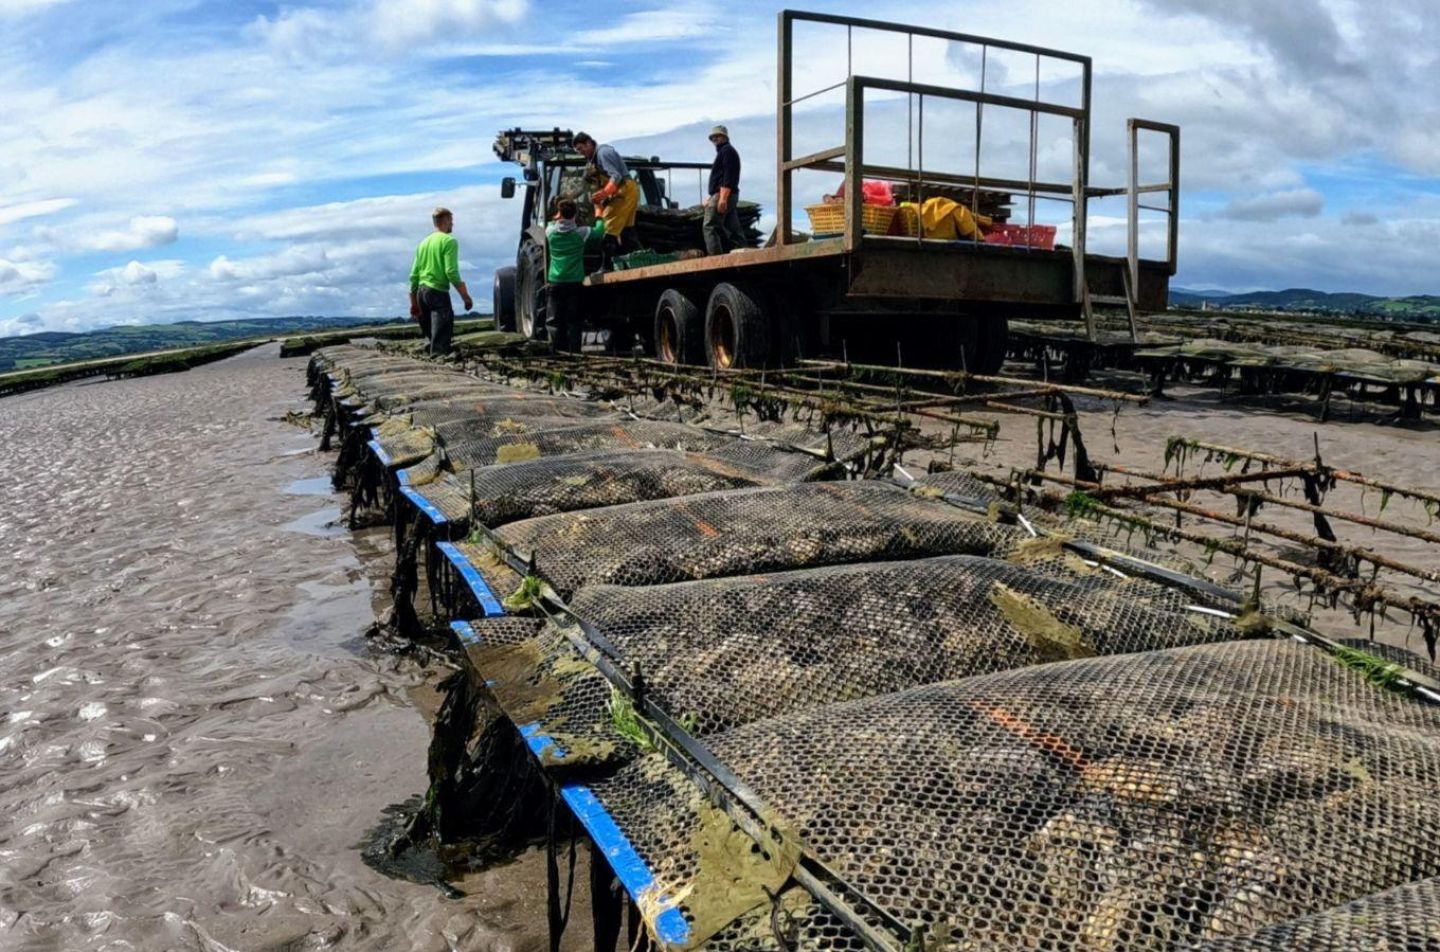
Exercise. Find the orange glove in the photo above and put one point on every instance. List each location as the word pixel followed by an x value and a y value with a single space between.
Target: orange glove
pixel 606 193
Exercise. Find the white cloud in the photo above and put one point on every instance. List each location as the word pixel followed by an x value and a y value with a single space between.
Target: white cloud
pixel 23 210
pixel 20 277
pixel 400 23
pixel 144 231
pixel 17 8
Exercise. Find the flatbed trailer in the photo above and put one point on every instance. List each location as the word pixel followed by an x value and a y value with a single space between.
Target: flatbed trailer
pixel 922 301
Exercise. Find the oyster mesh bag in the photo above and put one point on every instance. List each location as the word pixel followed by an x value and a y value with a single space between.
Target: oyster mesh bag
pixel 746 531
pixel 1404 918
pixel 1138 802
pixel 589 480
pixel 790 641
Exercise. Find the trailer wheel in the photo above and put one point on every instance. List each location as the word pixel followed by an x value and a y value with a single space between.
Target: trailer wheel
pixel 679 329
pixel 984 343
pixel 530 297
pixel 504 298
pixel 737 329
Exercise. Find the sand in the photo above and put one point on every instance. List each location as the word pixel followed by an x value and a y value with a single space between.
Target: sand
pixel 195 736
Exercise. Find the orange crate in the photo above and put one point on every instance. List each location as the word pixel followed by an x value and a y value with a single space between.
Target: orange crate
pixel 829 218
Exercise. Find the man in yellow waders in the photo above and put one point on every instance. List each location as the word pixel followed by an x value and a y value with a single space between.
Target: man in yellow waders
pixel 615 201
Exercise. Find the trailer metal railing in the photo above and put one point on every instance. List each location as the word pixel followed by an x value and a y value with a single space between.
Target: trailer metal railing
pixel 849 158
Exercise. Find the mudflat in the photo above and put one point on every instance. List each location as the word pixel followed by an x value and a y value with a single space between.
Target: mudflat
pixel 195 736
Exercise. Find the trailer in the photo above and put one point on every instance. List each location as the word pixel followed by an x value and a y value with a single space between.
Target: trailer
pixel 918 300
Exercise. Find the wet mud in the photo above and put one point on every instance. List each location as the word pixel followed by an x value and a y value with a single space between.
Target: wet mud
pixel 198 741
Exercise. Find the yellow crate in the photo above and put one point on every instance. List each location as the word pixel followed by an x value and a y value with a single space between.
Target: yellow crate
pixel 829 218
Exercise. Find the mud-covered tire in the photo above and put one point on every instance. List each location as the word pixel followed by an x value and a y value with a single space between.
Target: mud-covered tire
pixel 983 343
pixel 679 329
pixel 531 299
pixel 737 328
pixel 503 298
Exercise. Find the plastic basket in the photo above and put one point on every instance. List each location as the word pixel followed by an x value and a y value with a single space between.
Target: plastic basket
pixel 829 218
pixel 1041 237
pixel 643 259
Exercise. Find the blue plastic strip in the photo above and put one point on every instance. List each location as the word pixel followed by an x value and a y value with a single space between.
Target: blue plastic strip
pixel 670 925
pixel 402 476
pixel 434 515
pixel 540 744
pixel 466 633
pixel 488 602
pixel 380 454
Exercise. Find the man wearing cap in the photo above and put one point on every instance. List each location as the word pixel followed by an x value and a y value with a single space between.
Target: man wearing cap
pixel 722 216
pixel 617 200
pixel 436 268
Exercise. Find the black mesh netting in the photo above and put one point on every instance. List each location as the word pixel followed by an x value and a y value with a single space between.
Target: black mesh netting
pixel 1145 801
pixel 1403 919
pixel 746 531
pixel 536 487
pixel 794 640
pixel 471 443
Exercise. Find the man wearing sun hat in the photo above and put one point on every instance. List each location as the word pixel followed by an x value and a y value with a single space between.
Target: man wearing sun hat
pixel 722 215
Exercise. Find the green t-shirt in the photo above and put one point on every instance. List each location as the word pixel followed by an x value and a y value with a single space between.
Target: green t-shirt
pixel 437 262
pixel 567 250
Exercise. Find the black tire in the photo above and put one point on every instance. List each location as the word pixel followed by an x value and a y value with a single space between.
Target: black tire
pixel 503 297
pixel 679 329
pixel 737 328
pixel 982 344
pixel 531 298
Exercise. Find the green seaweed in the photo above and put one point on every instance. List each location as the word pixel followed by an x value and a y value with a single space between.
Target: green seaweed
pixel 627 722
pixel 524 597
pixel 1376 670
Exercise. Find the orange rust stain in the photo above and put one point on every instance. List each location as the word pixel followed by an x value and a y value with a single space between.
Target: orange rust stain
pixel 623 437
pixel 1030 734
pixel 706 529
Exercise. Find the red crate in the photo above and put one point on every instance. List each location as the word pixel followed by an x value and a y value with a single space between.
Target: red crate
pixel 1036 236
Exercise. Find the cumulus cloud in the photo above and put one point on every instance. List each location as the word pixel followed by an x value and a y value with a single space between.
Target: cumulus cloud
pixel 399 24
pixel 1292 203
pixel 144 231
pixel 20 277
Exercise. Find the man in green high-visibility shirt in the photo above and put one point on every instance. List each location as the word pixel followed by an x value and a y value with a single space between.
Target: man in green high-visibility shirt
pixel 436 268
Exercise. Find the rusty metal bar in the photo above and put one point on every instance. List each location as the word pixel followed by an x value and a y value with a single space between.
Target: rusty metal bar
pixel 960 375
pixel 854 161
pixel 884 27
pixel 1056 191
pixel 1341 474
pixel 1208 482
pixel 814 158
pixel 784 179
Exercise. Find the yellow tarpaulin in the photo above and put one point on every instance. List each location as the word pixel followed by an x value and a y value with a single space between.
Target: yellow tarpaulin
pixel 944 218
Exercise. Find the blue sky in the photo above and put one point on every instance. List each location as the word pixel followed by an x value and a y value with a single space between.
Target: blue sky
pixel 168 160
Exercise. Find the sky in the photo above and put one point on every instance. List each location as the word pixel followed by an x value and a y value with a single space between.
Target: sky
pixel 165 160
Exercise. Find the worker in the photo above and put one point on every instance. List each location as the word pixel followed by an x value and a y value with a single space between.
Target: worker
pixel 436 268
pixel 566 240
pixel 616 200
pixel 722 203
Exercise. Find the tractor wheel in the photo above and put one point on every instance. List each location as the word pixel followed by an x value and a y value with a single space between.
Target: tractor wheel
pixel 530 297
pixel 737 329
pixel 504 298
pixel 679 329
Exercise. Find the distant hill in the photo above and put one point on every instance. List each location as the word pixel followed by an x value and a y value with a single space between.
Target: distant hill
pixel 1420 307
pixel 57 347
